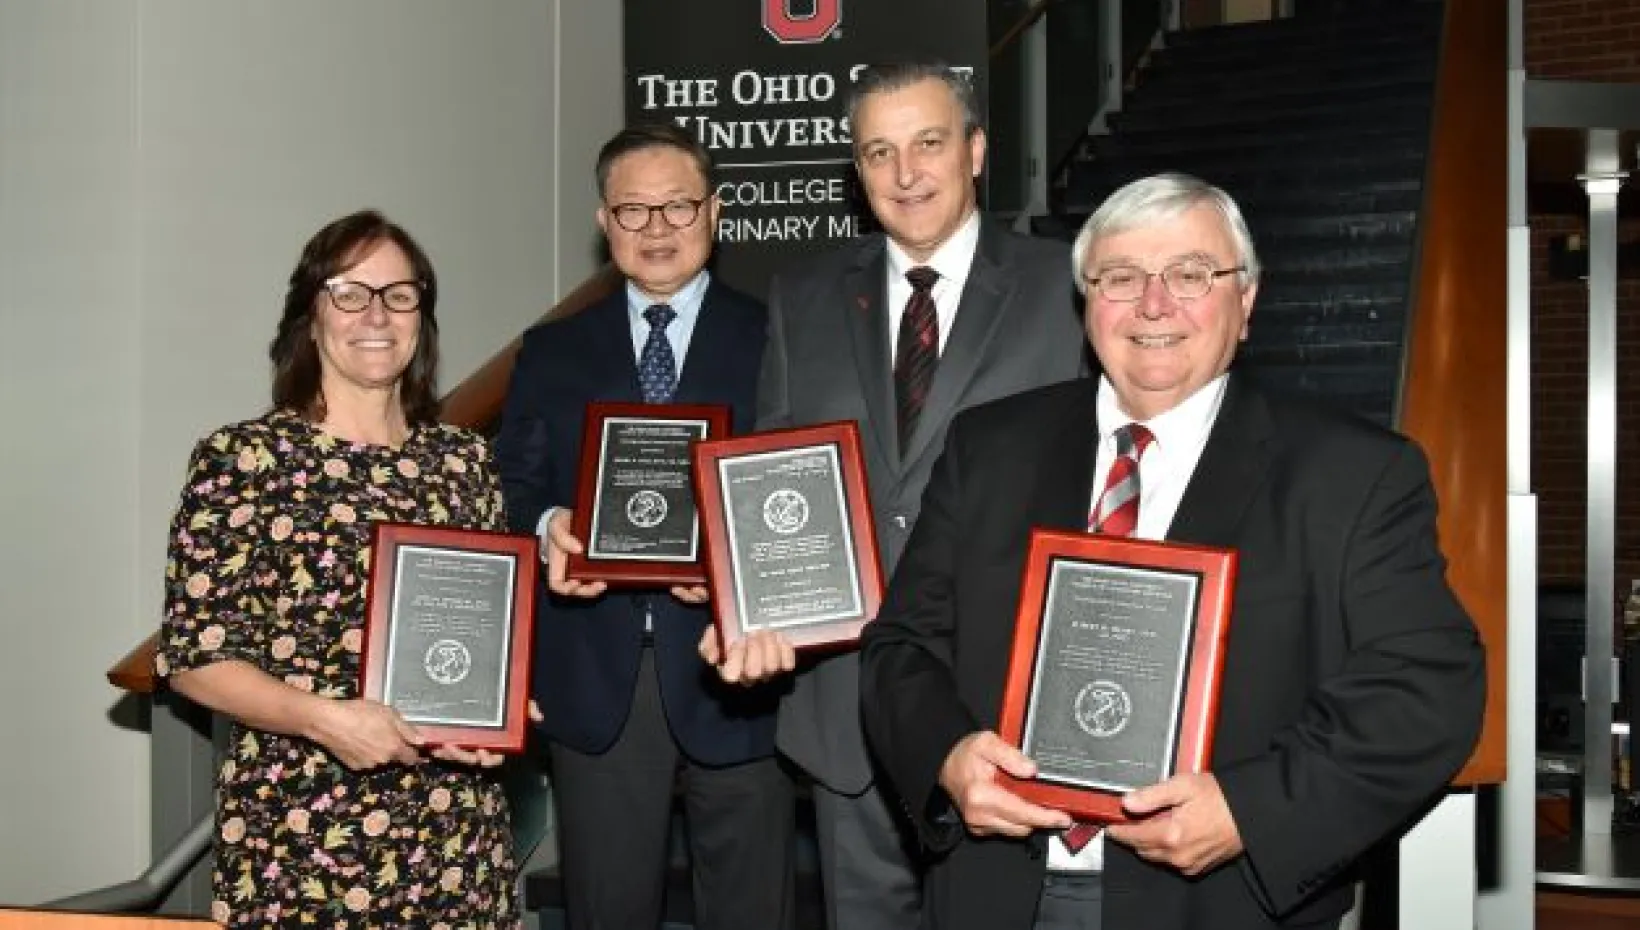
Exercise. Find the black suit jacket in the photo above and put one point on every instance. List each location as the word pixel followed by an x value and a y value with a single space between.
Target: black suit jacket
pixel 1353 683
pixel 587 652
pixel 1017 327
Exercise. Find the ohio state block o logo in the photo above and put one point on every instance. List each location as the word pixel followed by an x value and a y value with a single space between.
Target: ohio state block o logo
pixel 790 29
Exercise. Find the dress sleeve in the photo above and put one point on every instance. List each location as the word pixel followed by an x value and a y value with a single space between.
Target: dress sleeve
pixel 213 611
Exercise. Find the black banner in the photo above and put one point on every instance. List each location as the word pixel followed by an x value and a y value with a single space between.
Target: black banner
pixel 763 85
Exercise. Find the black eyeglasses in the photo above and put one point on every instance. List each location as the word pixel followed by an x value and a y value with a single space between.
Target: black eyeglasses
pixel 1189 279
pixel 678 214
pixel 355 296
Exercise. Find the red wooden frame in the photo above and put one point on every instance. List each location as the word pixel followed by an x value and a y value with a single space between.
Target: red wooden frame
pixel 387 538
pixel 634 572
pixel 1204 671
pixel 844 436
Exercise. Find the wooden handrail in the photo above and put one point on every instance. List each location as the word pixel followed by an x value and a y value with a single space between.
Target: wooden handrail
pixel 1452 398
pixel 1036 12
pixel 475 403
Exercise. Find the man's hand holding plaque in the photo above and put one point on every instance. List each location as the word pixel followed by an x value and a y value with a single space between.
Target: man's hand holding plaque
pixel 1113 683
pixel 790 547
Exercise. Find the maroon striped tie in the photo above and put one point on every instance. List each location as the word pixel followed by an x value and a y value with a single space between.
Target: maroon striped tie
pixel 1116 514
pixel 918 351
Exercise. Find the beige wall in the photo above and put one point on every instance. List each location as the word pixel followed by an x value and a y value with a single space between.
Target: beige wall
pixel 161 163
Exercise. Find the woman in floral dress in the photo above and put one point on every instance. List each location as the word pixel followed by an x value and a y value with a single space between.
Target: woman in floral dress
pixel 330 812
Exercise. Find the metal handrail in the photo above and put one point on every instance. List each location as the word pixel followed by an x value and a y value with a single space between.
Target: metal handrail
pixel 145 891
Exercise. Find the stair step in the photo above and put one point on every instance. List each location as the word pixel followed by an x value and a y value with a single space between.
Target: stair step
pixel 1267 95
pixel 1189 78
pixel 1406 162
pixel 1358 49
pixel 1310 189
pixel 1408 111
pixel 1320 144
pixel 1397 20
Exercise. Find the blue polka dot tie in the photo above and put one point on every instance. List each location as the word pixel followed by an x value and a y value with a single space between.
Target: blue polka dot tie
pixel 657 369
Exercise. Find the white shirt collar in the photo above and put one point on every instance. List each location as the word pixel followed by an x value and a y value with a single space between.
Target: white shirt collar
pixel 1182 427
pixel 952 259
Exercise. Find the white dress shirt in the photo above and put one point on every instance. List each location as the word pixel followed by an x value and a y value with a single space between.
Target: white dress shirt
pixel 952 260
pixel 1165 469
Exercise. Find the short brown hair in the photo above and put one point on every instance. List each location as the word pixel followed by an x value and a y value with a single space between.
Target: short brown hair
pixel 650 136
pixel 332 250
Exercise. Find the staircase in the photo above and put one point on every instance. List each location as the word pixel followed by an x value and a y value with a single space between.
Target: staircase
pixel 1318 126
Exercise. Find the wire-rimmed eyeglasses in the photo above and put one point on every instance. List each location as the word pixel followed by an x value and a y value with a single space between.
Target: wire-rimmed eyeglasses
pixel 1188 279
pixel 678 214
pixel 355 296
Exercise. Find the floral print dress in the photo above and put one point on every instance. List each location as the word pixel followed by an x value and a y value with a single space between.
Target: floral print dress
pixel 268 556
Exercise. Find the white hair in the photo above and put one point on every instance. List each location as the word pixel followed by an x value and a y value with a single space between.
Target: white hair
pixel 1159 198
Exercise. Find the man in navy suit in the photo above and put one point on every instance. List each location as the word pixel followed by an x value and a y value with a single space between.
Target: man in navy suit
pixel 628 707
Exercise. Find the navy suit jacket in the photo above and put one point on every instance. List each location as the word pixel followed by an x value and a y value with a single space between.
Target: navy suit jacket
pixel 587 651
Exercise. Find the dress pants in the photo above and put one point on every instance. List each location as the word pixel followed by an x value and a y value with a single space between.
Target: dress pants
pixel 1071 901
pixel 614 815
pixel 866 867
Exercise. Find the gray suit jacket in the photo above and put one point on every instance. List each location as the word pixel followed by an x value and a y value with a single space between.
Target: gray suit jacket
pixel 1018 326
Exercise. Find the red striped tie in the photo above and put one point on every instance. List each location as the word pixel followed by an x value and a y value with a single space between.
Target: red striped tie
pixel 918 351
pixel 1116 514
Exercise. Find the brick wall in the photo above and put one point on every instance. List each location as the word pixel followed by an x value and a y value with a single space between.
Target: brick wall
pixel 1589 40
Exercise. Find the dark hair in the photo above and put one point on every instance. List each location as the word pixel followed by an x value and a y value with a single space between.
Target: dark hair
pixel 887 77
pixel 649 136
pixel 331 251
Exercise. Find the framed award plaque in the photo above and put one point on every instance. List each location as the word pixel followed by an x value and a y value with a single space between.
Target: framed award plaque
pixel 635 507
pixel 790 541
pixel 1113 682
pixel 449 623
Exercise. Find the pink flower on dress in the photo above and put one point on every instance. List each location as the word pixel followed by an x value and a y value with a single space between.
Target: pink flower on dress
pixel 284 647
pixel 162 665
pixel 450 880
pixel 299 479
pixel 454 464
pixel 282 605
pixel 300 682
pixel 282 525
pixel 376 823
pixel 297 820
pixel 247 459
pixel 342 513
pixel 439 800
pixel 353 640
pixel 220 912
pixel 356 899
pixel 272 871
pixel 212 637
pixel 497 854
pixel 336 468
pixel 199 584
pixel 409 468
pixel 241 515
pixel 233 829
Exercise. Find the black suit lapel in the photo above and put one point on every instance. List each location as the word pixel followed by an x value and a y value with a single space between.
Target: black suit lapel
pixel 612 340
pixel 1063 485
pixel 1232 467
pixel 705 364
pixel 985 299
pixel 864 298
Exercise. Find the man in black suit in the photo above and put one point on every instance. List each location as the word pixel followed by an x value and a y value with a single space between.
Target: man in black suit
pixel 898 331
pixel 628 707
pixel 1353 683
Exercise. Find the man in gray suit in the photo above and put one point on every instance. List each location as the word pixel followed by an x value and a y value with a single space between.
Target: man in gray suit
pixel 898 332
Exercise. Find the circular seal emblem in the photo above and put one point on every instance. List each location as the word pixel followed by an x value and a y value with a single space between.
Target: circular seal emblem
pixel 447 662
pixel 1103 709
pixel 646 509
pixel 785 511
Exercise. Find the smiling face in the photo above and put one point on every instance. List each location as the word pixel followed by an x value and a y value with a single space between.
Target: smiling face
pixel 1159 350
pixel 369 350
pixel 916 165
pixel 659 258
